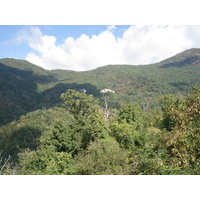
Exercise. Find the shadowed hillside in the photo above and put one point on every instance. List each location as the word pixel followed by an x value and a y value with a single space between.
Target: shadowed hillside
pixel 25 87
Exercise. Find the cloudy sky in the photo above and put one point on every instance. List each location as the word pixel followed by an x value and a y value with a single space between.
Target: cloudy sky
pixel 81 47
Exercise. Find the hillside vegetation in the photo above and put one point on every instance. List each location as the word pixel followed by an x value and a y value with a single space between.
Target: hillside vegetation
pixel 26 87
pixel 79 139
pixel 63 122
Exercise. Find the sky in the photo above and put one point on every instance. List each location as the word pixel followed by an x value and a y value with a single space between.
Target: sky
pixel 86 47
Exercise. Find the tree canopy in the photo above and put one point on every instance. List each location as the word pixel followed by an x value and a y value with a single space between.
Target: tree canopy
pixel 80 140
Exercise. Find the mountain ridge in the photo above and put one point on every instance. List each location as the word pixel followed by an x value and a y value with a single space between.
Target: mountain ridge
pixel 183 55
pixel 25 65
pixel 26 87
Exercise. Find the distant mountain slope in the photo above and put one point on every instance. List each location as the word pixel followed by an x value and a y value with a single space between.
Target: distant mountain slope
pixel 20 82
pixel 23 65
pixel 17 93
pixel 25 87
pixel 186 57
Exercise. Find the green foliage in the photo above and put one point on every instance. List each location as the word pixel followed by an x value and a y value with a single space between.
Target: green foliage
pixel 138 138
pixel 124 133
pixel 184 138
pixel 146 161
pixel 6 165
pixel 129 121
pixel 82 142
pixel 26 132
pixel 62 137
pixel 18 91
pixel 61 143
pixel 45 162
pixel 89 122
pixel 168 104
pixel 22 138
pixel 78 104
pixel 54 155
pixel 102 157
pixel 26 87
pixel 132 114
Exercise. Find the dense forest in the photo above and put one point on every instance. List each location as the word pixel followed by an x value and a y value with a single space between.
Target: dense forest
pixel 26 87
pixel 80 138
pixel 115 119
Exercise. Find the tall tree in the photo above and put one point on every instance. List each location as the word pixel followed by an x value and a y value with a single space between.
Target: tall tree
pixel 89 122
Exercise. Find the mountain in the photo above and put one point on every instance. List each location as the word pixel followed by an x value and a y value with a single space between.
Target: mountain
pixel 25 87
pixel 187 57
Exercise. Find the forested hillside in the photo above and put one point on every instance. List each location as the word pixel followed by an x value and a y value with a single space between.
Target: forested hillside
pixel 80 139
pixel 26 87
pixel 116 119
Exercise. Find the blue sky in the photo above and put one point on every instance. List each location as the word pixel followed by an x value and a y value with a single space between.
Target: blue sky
pixel 86 47
pixel 9 48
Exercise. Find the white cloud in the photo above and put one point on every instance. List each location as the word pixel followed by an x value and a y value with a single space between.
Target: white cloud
pixel 31 35
pixel 142 44
pixel 111 27
pixel 138 45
